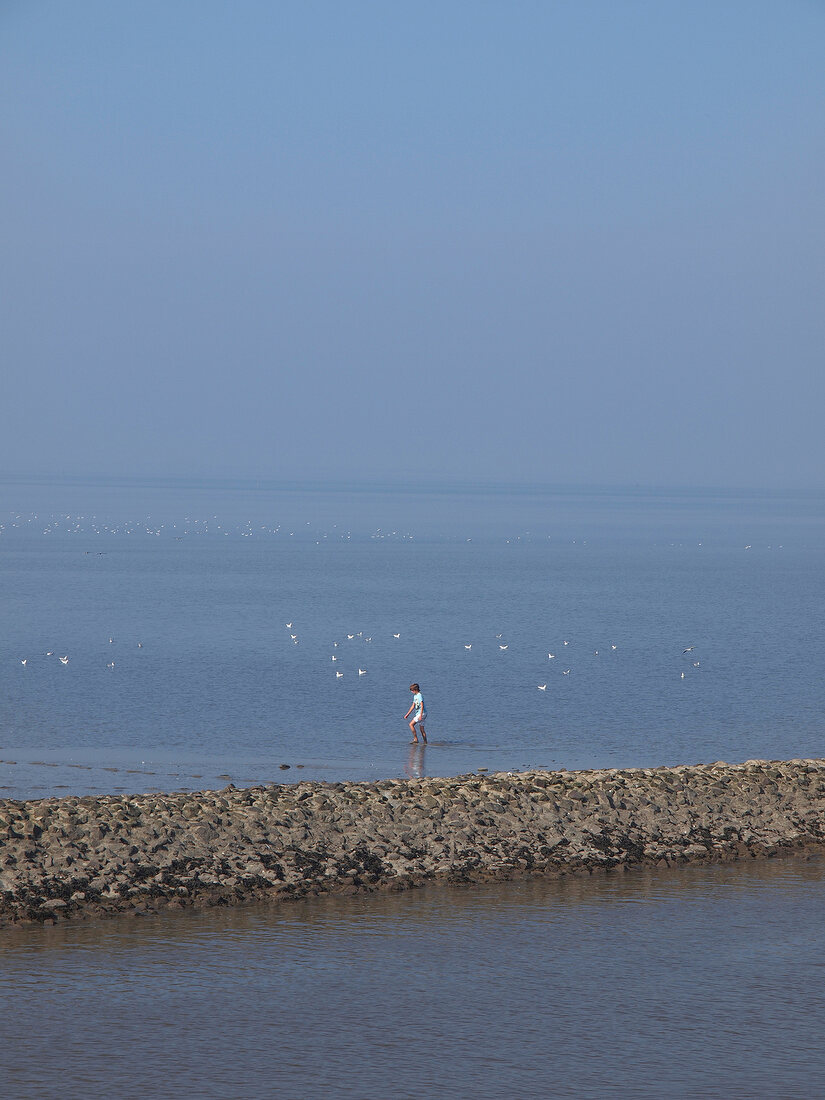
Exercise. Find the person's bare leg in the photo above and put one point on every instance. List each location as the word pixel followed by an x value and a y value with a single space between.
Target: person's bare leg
pixel 423 733
pixel 415 735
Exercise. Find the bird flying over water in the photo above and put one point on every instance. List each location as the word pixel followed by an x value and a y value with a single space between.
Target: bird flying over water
pixel 63 660
pixel 688 649
pixel 362 672
pixel 396 635
pixel 542 687
pixel 470 646
pixel 338 675
pixel 503 646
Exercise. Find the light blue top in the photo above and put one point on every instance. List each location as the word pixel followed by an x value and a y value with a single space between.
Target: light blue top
pixel 418 701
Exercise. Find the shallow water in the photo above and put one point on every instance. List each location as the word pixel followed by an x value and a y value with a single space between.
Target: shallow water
pixel 206 579
pixel 700 982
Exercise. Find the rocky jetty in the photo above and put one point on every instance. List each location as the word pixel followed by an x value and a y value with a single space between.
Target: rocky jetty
pixel 72 857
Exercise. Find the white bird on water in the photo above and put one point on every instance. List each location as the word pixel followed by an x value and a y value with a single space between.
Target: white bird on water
pixel 469 646
pixel 542 687
pixel 338 675
pixel 350 636
pixel 63 660
pixel 396 635
pixel 111 664
pixel 334 657
pixel 502 647
pixel 362 672
pixel 551 656
pixel 23 660
pixel 289 626
pixel 566 672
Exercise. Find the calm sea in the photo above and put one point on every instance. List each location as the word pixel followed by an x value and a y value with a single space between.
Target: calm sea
pixel 171 603
pixel 684 627
pixel 698 983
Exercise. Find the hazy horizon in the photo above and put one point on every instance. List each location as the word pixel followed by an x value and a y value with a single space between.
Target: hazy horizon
pixel 470 243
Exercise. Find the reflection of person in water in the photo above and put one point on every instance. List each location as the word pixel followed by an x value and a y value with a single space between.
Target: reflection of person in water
pixel 415 761
pixel 419 715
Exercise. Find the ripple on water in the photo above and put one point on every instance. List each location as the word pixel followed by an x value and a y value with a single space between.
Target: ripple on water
pixel 701 982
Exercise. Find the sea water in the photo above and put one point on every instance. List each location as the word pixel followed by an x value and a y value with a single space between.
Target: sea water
pixel 704 982
pixel 683 627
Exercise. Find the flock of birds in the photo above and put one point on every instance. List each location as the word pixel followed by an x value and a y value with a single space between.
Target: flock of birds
pixel 502 646
pixel 188 527
pixel 64 660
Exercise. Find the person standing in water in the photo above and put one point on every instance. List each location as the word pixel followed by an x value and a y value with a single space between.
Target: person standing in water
pixel 420 713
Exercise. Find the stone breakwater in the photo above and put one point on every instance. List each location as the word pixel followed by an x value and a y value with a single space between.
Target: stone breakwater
pixel 83 856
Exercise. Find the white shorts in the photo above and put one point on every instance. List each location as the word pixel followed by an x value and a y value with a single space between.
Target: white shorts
pixel 419 716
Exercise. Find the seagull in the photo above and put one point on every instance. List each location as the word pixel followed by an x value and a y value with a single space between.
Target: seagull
pixel 350 636
pixel 542 687
pixel 695 664
pixel 396 635
pixel 362 672
pixel 566 672
pixel 683 675
pixel 335 644
pixel 613 647
pixel 551 656
pixel 334 657
pixel 338 675
pixel 595 652
pixel 502 647
pixel 63 660
pixel 688 649
pixel 111 641
pixel 293 636
pixel 470 646
pixel 50 653
pixel 289 626
pixel 140 645
pixel 498 635
pixel 567 643
pixel 111 664
pixel 23 660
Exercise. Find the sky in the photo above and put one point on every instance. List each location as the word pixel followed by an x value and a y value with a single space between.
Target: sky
pixel 576 243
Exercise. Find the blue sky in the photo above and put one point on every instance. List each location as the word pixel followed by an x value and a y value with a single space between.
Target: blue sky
pixel 574 243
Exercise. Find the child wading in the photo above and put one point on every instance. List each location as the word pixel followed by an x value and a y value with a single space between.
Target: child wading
pixel 419 715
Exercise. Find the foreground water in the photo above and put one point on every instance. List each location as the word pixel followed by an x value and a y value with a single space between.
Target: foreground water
pixel 701 982
pixel 684 627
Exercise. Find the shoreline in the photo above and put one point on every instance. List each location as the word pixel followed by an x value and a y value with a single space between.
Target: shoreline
pixel 79 857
